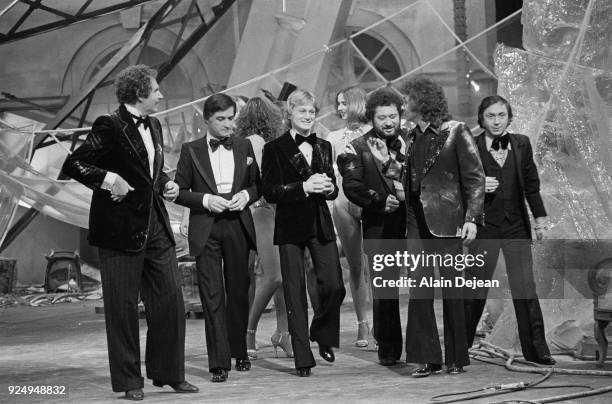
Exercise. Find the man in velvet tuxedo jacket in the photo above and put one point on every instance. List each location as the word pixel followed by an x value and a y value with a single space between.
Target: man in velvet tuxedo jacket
pixel 511 178
pixel 384 211
pixel 121 161
pixel 298 175
pixel 218 179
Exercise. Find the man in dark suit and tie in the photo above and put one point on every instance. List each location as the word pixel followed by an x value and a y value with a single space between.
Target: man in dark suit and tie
pixel 122 161
pixel 298 175
pixel 511 178
pixel 384 210
pixel 218 179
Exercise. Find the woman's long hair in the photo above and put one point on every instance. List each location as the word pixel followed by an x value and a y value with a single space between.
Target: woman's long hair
pixel 259 117
pixel 355 99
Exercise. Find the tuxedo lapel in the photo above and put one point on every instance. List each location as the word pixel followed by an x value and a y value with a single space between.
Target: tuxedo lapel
pixel 518 153
pixel 133 137
pixel 156 135
pixel 201 159
pixel 387 182
pixel 436 143
pixel 240 155
pixel 289 148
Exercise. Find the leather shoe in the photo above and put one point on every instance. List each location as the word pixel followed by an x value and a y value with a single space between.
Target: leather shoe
pixel 426 370
pixel 546 360
pixel 219 375
pixel 182 387
pixel 243 365
pixel 327 353
pixel 303 372
pixel 455 370
pixel 387 361
pixel 134 394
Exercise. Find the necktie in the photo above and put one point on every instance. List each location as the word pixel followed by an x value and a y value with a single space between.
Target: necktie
pixel 500 141
pixel 312 139
pixel 142 120
pixel 394 143
pixel 225 142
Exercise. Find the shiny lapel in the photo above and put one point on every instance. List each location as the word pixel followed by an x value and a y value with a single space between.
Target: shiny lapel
pixel 133 137
pixel 158 142
pixel 240 155
pixel 201 159
pixel 518 153
pixel 435 147
pixel 295 156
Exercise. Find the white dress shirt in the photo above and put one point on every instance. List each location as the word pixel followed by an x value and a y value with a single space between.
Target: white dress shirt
pixel 222 163
pixel 147 139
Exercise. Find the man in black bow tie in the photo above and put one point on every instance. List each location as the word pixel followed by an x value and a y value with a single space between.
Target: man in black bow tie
pixel 511 178
pixel 298 175
pixel 122 160
pixel 218 179
pixel 384 212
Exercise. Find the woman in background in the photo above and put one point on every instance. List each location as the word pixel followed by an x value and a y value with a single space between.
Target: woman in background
pixel 350 106
pixel 259 122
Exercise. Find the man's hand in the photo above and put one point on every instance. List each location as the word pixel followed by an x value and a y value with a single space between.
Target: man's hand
pixel 379 150
pixel 329 185
pixel 468 233
pixel 217 204
pixel 391 204
pixel 238 202
pixel 171 191
pixel 316 184
pixel 541 227
pixel 120 189
pixel 491 184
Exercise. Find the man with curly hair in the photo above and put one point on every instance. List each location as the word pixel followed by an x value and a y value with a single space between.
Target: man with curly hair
pixel 444 182
pixel 122 161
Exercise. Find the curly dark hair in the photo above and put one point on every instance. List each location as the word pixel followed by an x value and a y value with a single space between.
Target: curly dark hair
pixel 490 100
pixel 382 98
pixel 134 82
pixel 259 117
pixel 429 99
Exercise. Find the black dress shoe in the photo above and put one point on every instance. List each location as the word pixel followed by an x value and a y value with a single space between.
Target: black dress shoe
pixel 426 370
pixel 303 372
pixel 219 375
pixel 546 360
pixel 387 361
pixel 182 387
pixel 242 365
pixel 327 353
pixel 134 394
pixel 455 370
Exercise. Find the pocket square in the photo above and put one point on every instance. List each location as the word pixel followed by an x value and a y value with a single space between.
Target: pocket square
pixel 249 161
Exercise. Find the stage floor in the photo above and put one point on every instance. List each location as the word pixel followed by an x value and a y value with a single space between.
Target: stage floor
pixel 65 345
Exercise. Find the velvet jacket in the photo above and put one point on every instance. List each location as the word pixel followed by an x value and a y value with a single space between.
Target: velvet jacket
pixel 114 144
pixel 299 217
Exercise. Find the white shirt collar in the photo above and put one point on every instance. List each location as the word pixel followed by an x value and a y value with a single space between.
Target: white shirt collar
pixel 132 110
pixel 489 140
pixel 294 133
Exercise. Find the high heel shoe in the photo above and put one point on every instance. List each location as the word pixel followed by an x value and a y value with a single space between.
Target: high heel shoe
pixel 362 342
pixel 282 340
pixel 251 344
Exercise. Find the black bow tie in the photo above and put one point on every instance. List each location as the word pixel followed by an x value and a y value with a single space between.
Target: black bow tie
pixel 142 120
pixel 312 139
pixel 500 141
pixel 394 143
pixel 224 141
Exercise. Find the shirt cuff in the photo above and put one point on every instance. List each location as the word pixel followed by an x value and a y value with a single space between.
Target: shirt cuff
pixel 205 199
pixel 109 181
pixel 304 189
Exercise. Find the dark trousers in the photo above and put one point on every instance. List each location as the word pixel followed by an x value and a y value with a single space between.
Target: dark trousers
pixel 387 326
pixel 223 281
pixel 514 240
pixel 325 326
pixel 422 341
pixel 154 274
